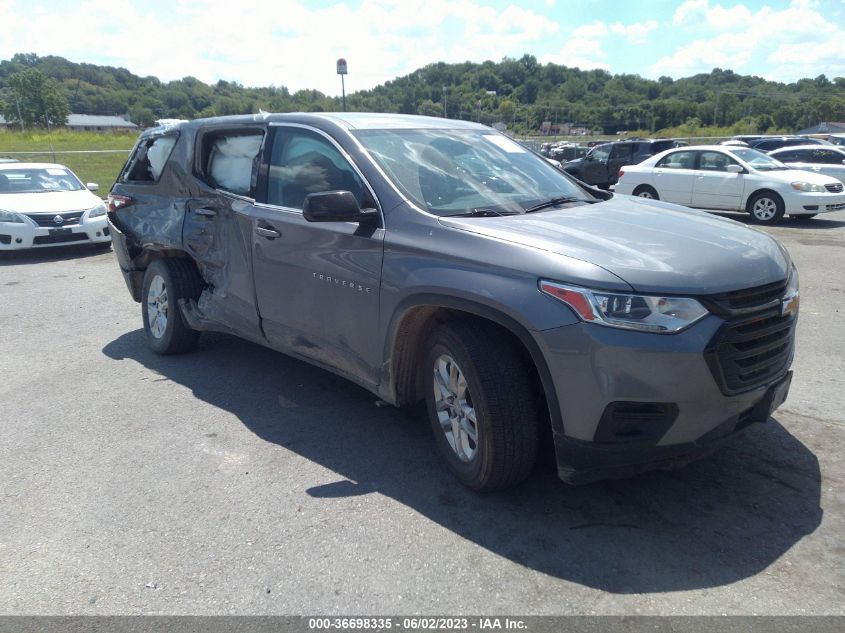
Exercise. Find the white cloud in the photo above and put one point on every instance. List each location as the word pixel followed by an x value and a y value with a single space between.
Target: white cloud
pixel 799 38
pixel 636 33
pixel 583 48
pixel 292 44
pixel 688 10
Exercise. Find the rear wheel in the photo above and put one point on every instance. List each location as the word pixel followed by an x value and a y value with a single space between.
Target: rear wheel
pixel 481 405
pixel 766 207
pixel 644 191
pixel 165 282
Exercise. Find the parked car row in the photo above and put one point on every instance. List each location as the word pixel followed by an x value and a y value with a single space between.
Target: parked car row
pixel 734 179
pixel 563 152
pixel 600 166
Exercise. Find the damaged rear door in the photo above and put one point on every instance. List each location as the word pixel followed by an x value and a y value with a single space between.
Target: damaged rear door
pixel 317 283
pixel 217 231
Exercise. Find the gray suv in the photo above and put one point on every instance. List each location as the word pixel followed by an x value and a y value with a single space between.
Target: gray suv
pixel 438 260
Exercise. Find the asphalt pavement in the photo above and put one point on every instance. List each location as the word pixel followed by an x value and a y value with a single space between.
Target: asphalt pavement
pixel 236 480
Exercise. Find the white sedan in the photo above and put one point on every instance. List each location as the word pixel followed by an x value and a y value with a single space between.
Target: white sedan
pixel 45 204
pixel 732 178
pixel 827 160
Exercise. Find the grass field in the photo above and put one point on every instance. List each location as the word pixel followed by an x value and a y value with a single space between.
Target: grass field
pixel 55 147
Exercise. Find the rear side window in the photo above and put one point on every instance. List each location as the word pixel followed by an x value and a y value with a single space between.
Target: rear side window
pixel 149 159
pixel 231 161
pixel 677 160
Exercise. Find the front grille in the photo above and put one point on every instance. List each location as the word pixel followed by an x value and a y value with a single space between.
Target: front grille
pixel 835 207
pixel 48 219
pixel 756 343
pixel 739 302
pixel 834 188
pixel 59 239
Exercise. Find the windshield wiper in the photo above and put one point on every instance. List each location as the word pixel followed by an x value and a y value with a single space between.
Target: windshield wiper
pixel 480 213
pixel 553 202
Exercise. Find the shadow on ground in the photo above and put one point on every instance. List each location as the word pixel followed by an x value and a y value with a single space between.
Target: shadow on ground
pixel 54 254
pixel 713 523
pixel 822 221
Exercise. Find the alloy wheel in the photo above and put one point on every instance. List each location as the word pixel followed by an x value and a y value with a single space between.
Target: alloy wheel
pixel 454 407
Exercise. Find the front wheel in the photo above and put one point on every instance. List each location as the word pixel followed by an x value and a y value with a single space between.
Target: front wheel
pixel 481 405
pixel 165 282
pixel 766 207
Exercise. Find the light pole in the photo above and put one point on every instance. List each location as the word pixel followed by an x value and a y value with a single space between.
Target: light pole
pixel 341 70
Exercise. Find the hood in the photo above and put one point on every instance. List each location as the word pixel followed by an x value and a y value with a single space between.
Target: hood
pixel 653 246
pixel 49 201
pixel 793 175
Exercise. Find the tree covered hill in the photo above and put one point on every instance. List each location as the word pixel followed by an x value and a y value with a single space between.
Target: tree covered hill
pixel 520 92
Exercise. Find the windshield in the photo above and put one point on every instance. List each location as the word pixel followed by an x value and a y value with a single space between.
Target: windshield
pixel 36 180
pixel 466 172
pixel 758 160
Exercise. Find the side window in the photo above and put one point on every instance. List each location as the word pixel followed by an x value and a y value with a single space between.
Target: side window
pixel 305 162
pixel 677 160
pixel 621 152
pixel 793 156
pixel 600 153
pixel 148 161
pixel 714 161
pixel 231 160
pixel 826 156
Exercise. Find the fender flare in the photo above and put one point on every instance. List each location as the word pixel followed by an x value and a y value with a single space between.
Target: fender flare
pixel 490 313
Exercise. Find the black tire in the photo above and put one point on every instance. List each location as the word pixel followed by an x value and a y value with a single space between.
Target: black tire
pixel 644 191
pixel 499 392
pixel 766 207
pixel 180 280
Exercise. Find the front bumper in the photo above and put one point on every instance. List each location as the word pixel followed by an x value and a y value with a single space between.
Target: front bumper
pixel 663 380
pixel 810 203
pixel 23 235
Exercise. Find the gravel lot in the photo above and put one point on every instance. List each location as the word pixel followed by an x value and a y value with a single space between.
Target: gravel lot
pixel 239 481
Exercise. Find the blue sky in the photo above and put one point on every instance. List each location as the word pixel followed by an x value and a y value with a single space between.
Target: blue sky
pixel 296 43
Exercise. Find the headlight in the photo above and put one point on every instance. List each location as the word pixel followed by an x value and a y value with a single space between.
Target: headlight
pixel 791 296
pixel 9 216
pixel 662 315
pixel 95 212
pixel 802 185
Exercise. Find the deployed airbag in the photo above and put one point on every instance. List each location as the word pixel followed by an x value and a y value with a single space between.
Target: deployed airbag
pixel 231 162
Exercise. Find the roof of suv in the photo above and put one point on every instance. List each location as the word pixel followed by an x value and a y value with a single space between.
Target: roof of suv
pixel 347 120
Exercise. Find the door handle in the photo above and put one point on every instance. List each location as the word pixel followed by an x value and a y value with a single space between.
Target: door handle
pixel 270 234
pixel 205 212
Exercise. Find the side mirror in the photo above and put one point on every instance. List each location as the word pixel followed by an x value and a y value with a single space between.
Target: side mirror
pixel 92 186
pixel 735 169
pixel 335 206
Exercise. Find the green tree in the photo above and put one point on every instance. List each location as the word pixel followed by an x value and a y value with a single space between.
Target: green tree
pixel 428 108
pixel 36 100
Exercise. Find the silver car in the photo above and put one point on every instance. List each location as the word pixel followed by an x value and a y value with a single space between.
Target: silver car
pixel 827 160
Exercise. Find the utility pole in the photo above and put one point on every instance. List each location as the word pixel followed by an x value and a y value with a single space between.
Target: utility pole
pixel 444 102
pixel 18 104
